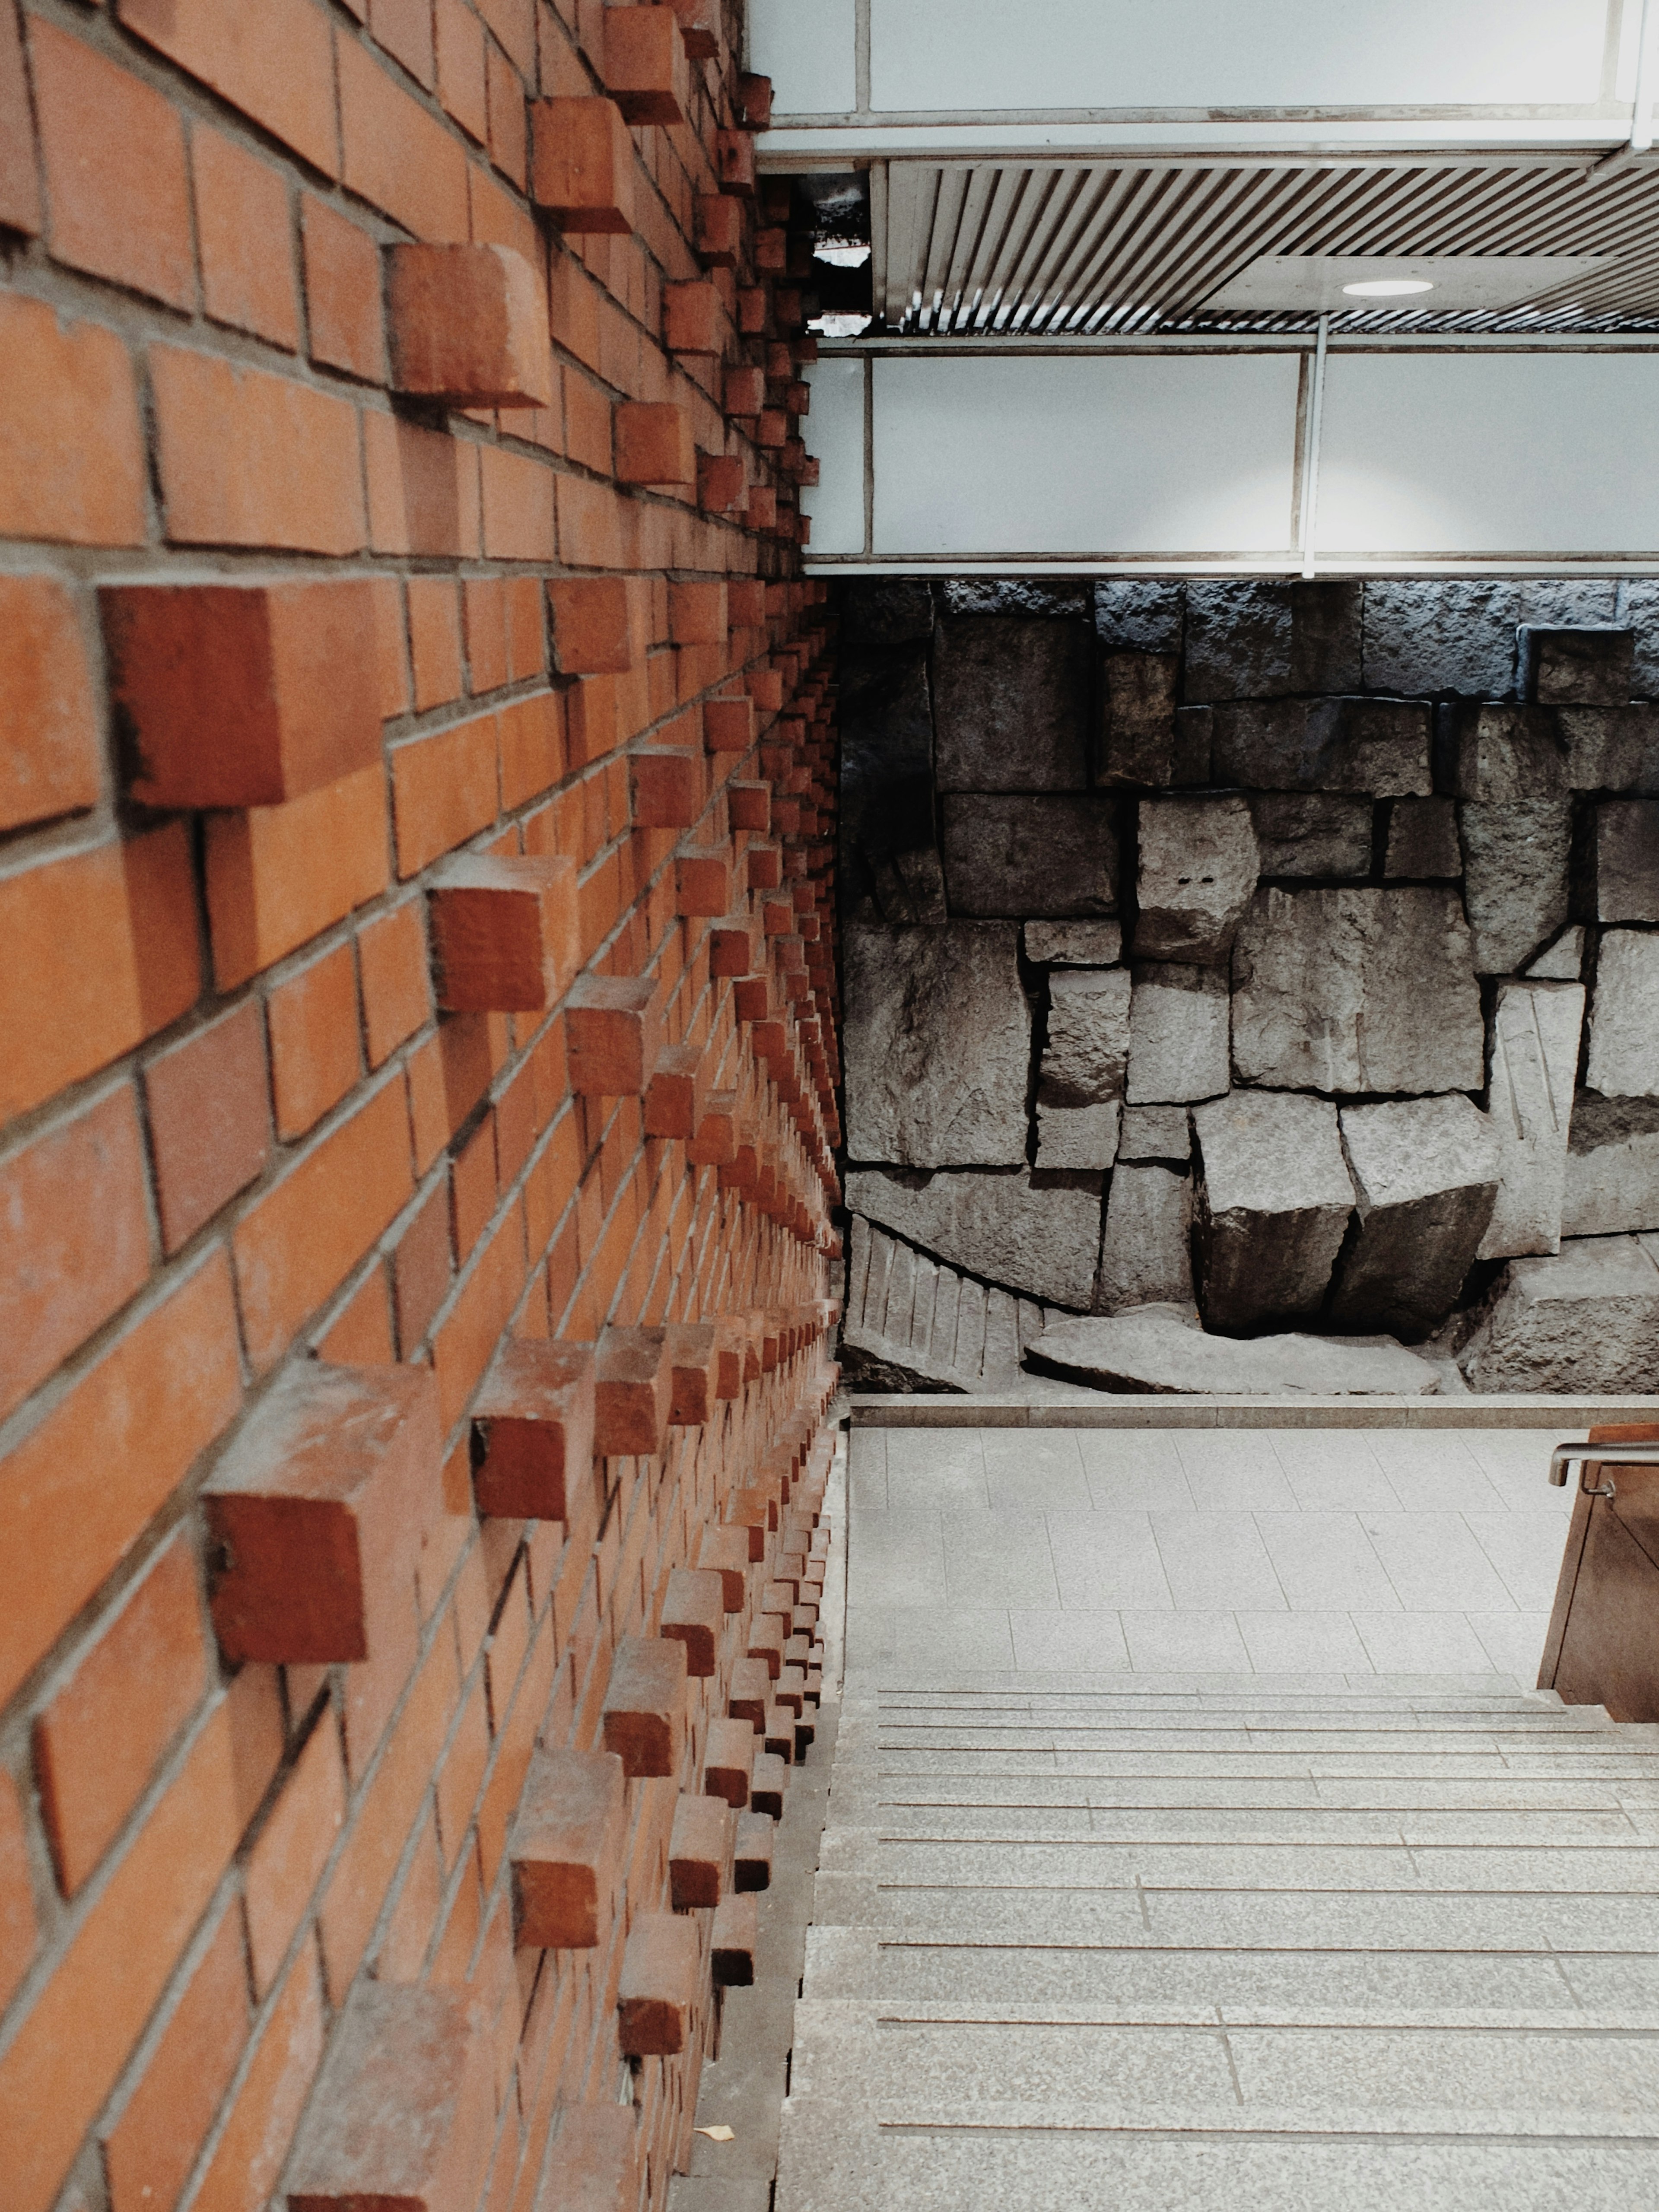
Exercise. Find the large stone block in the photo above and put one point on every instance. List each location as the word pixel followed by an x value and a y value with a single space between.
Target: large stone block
pixel 1498 754
pixel 1624 1041
pixel 1439 634
pixel 1562 962
pixel 1575 667
pixel 1178 1031
pixel 1028 1231
pixel 938 1045
pixel 1011 704
pixel 1611 748
pixel 1360 990
pixel 1087 1049
pixel 1139 615
pixel 1156 1348
pixel 1534 1059
pixel 1072 1137
pixel 1515 879
pixel 1426 1179
pixel 885 609
pixel 1273 1205
pixel 1048 856
pixel 1197 872
pixel 1423 840
pixel 1194 742
pixel 1144 1256
pixel 1137 713
pixel 1586 1320
pixel 1316 833
pixel 1015 595
pixel 1377 747
pixel 1156 1133
pixel 1249 639
pixel 1626 859
pixel 1074 943
pixel 888 838
pixel 1613 1167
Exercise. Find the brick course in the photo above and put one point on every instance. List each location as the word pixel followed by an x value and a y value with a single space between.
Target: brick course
pixel 240 1132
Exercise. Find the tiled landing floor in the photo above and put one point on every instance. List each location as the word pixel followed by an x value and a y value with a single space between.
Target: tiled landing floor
pixel 1292 1553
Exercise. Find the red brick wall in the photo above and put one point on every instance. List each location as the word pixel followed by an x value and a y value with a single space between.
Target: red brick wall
pixel 290 636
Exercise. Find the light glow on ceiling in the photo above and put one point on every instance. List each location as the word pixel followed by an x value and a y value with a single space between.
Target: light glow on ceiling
pixel 1388 288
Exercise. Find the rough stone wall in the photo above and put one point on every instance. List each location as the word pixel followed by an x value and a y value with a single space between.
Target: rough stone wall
pixel 416 1058
pixel 1290 947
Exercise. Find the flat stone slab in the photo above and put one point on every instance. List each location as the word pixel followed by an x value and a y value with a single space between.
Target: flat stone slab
pixel 1155 1133
pixel 1498 754
pixel 1355 991
pixel 1197 869
pixel 1377 748
pixel 1043 854
pixel 1587 1319
pixel 1423 840
pixel 1074 943
pixel 1611 1179
pixel 1145 1257
pixel 1628 860
pixel 1179 1025
pixel 1624 1042
pixel 1426 1173
pixel 1087 1049
pixel 1136 735
pixel 1152 1349
pixel 1011 700
pixel 1318 833
pixel 1534 1059
pixel 1078 1137
pixel 1274 1201
pixel 1029 1231
pixel 938 1045
pixel 1515 878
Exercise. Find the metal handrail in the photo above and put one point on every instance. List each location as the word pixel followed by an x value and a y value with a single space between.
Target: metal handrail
pixel 1565 1455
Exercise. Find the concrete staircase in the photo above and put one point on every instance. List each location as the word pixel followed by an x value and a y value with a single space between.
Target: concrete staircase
pixel 1169 1949
pixel 927 1323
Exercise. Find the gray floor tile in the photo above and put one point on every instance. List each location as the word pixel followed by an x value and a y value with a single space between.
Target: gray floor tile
pixel 1325 1563
pixel 998 1558
pixel 1234 1470
pixel 1434 1564
pixel 1178 1643
pixel 1216 1562
pixel 1105 1559
pixel 1083 1641
pixel 963 1636
pixel 1290 1642
pixel 1513 1641
pixel 1421 1642
pixel 1525 1545
pixel 1333 1470
pixel 866 1470
pixel 896 1559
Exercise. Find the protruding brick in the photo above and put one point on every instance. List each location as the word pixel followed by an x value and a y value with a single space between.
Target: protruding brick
pixel 467 324
pixel 700 1853
pixel 634 1390
pixel 715 1143
pixel 752 1856
pixel 749 1691
pixel 645 1705
pixel 646 71
pixel 745 599
pixel 750 807
pixel 657 1996
pixel 674 1101
pixel 697 613
pixel 670 786
pixel 567 1849
pixel 728 724
pixel 652 438
pixel 771 1779
pixel 237 695
pixel 404 2110
pixel 694 1354
pixel 720 479
pixel 735 945
pixel 533 1423
pixel 49 739
pixel 581 165
pixel 734 162
pixel 744 391
pixel 506 933
pixel 317 1509
pixel 735 1940
pixel 724 1552
pixel 693 1614
pixel 766 1641
pixel 598 624
pixel 612 1036
pixel 718 230
pixel 594 2163
pixel 700 27
pixel 694 321
pixel 702 884
pixel 765 867
pixel 728 1762
pixel 755 100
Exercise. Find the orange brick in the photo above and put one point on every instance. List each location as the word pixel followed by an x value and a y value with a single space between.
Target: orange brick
pixel 315 1055
pixel 517 501
pixel 504 932
pixel 246 459
pixel 391 956
pixel 235 696
pixel 152 2147
pixel 71 449
pixel 97 1742
pixel 720 480
pixel 20 189
pixel 443 790
pixel 278 875
pixel 526 628
pixel 360 1334
pixel 49 746
pixel 653 440
pixel 342 292
pixel 435 636
pixel 422 1269
pixel 473 1189
pixel 532 752
pixel 508 124
pixel 274 63
pixel 208 1102
pixel 460 59
pixel 645 67
pixel 423 489
pixel 102 953
pixel 581 166
pixel 73 2043
pixel 255 2143
pixel 72 1204
pixel 114 155
pixel 600 623
pixel 467 1337
pixel 242 228
pixel 17 1929
pixel 391 646
pixel 79 1490
pixel 484 601
pixel 403 28
pixel 694 321
pixel 461 1775
pixel 467 324
pixel 289 1855
pixel 397 156
pixel 303 1238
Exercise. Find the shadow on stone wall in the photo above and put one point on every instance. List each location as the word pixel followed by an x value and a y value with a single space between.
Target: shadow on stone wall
pixel 1258 955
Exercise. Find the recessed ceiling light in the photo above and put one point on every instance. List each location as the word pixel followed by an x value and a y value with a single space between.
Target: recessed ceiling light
pixel 1387 288
pixel 843 257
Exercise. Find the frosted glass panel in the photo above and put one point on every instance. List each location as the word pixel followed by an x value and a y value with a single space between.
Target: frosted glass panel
pixel 807 48
pixel 834 433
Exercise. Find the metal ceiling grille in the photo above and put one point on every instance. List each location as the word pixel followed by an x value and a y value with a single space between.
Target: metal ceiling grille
pixel 1087 249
